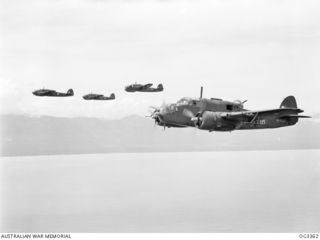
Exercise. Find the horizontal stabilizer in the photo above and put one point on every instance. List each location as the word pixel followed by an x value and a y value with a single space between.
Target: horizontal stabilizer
pixel 293 115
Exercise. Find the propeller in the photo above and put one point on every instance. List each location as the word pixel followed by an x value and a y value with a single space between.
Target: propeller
pixel 155 110
pixel 155 114
pixel 188 113
pixel 240 102
pixel 154 107
pixel 196 119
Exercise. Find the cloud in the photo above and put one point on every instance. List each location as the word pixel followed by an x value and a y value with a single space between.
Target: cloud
pixel 18 99
pixel 256 50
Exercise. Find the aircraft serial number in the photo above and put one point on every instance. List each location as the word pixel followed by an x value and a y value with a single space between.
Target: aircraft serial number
pixel 259 122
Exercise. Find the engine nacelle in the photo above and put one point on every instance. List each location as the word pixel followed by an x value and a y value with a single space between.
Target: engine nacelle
pixel 214 122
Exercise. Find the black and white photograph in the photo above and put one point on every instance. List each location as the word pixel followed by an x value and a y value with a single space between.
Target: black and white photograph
pixel 159 116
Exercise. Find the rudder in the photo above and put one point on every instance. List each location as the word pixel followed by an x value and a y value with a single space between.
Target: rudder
pixel 289 102
pixel 70 92
pixel 160 86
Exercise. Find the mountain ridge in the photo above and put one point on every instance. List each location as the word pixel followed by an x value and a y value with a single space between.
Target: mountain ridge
pixel 47 135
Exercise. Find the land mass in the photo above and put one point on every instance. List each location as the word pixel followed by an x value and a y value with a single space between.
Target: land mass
pixel 46 135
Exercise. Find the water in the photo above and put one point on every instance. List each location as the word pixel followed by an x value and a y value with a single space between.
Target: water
pixel 254 191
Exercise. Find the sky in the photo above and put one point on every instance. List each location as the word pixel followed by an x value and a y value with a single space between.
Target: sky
pixel 260 51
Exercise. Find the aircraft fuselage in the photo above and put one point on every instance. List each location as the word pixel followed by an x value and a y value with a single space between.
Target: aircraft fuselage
pixel 219 115
pixel 52 93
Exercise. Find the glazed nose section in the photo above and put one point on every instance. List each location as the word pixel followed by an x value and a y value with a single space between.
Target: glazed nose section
pixel 159 118
pixel 164 113
pixel 164 110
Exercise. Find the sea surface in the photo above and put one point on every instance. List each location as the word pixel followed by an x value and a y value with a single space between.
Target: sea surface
pixel 235 191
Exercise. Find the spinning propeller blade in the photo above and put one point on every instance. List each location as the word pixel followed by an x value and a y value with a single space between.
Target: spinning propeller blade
pixel 196 119
pixel 188 113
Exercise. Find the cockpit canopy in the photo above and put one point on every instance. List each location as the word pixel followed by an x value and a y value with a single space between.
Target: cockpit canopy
pixel 212 104
pixel 187 101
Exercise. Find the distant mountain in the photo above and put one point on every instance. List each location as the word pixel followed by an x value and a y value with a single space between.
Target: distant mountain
pixel 26 135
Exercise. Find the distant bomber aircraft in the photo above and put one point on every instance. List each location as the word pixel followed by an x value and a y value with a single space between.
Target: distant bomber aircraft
pixel 52 93
pixel 143 88
pixel 92 96
pixel 219 115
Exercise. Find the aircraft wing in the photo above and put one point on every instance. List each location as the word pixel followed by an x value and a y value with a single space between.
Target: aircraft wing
pixel 52 92
pixel 48 91
pixel 146 86
pixel 251 115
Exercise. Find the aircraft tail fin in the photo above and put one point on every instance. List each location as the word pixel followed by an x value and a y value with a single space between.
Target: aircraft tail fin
pixel 289 102
pixel 70 92
pixel 160 86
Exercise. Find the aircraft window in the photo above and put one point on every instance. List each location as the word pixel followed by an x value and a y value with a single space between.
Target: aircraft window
pixel 182 102
pixel 229 107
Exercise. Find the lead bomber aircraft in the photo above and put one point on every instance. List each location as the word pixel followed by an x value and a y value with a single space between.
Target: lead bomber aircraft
pixel 143 88
pixel 219 115
pixel 92 96
pixel 52 93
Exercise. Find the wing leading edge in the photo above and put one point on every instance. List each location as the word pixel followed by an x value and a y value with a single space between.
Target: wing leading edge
pixel 280 113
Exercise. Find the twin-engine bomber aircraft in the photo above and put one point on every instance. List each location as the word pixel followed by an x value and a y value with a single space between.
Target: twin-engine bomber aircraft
pixel 286 115
pixel 92 96
pixel 143 88
pixel 52 93
pixel 219 115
